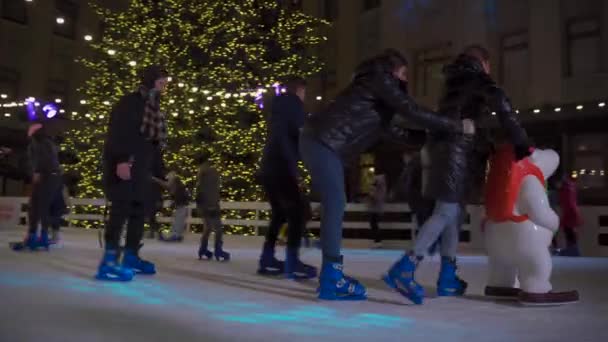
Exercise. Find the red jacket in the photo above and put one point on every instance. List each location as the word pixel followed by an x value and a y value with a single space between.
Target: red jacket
pixel 571 216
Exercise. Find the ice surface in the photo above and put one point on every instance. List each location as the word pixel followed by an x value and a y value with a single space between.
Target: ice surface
pixel 53 297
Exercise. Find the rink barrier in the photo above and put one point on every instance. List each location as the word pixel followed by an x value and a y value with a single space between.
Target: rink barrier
pixel 593 236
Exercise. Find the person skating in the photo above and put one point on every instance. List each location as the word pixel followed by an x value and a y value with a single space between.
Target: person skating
pixel 279 178
pixel 374 104
pixel 46 182
pixel 453 164
pixel 208 205
pixel 136 128
pixel 181 200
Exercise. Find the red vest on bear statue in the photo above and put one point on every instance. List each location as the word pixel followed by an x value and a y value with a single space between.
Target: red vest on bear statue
pixel 504 184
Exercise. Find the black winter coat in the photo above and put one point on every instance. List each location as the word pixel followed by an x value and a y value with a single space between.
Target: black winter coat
pixel 125 143
pixel 454 164
pixel 372 107
pixel 281 153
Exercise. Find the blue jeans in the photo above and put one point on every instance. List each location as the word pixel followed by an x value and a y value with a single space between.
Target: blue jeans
pixel 444 223
pixel 327 173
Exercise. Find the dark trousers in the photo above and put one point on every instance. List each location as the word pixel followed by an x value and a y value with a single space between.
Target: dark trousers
pixel 132 213
pixel 150 215
pixel 374 218
pixel 287 205
pixel 58 209
pixel 41 199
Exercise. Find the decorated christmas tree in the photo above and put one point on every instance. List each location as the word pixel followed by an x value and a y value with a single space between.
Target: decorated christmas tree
pixel 221 55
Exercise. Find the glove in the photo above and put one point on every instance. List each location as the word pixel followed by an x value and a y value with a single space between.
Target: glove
pixel 522 152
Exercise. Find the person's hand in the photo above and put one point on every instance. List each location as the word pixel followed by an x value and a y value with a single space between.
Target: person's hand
pixel 468 127
pixel 123 171
pixel 36 178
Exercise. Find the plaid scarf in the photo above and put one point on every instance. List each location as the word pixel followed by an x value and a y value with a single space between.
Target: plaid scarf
pixel 153 125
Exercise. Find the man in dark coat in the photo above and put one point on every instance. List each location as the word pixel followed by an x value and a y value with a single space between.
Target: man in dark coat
pixel 453 163
pixel 279 176
pixel 368 109
pixel 136 129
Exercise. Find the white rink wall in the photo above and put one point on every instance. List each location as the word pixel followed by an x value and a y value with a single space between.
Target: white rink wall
pixel 591 234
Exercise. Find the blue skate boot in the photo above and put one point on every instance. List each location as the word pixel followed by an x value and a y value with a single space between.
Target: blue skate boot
pixel 334 285
pixel 44 240
pixel 448 283
pixel 295 268
pixel 110 269
pixel 219 253
pixel 30 241
pixel 132 261
pixel 401 278
pixel 269 265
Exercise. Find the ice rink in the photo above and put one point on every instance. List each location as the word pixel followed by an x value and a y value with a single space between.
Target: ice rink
pixel 53 297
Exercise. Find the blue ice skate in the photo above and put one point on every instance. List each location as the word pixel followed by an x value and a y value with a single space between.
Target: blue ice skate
pixel 269 265
pixel 334 285
pixel 132 261
pixel 44 242
pixel 401 278
pixel 449 284
pixel 219 253
pixel 110 269
pixel 295 268
pixel 29 242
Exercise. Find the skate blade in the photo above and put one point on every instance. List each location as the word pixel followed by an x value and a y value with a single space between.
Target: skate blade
pixel 530 304
pixel 502 298
pixel 392 284
pixel 269 273
pixel 334 297
pixel 112 279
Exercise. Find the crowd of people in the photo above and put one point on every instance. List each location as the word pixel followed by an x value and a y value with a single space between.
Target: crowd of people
pixel 437 182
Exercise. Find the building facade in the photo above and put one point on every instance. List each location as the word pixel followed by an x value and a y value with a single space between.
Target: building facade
pixel 551 56
pixel 40 40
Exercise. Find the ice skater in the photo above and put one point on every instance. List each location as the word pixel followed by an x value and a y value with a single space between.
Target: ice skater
pixel 279 177
pixel 181 200
pixel 46 184
pixel 136 129
pixel 208 205
pixel 453 164
pixel 371 106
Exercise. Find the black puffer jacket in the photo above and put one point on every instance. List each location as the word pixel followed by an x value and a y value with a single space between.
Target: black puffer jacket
pixel 374 105
pixel 455 164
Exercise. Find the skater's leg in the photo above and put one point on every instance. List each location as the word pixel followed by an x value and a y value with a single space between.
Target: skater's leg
pixel 277 216
pixel 373 223
pixel 135 226
pixel 215 222
pixel 135 232
pixel 179 222
pixel 109 268
pixel 296 217
pixel 449 239
pixel 118 215
pixel 327 174
pixel 444 214
pixel 50 187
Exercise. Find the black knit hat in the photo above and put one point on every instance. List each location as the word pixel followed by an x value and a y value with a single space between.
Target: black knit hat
pixel 152 73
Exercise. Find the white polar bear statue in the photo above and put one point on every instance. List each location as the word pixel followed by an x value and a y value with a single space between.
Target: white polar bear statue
pixel 519 227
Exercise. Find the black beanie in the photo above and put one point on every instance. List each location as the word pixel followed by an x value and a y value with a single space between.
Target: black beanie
pixel 152 73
